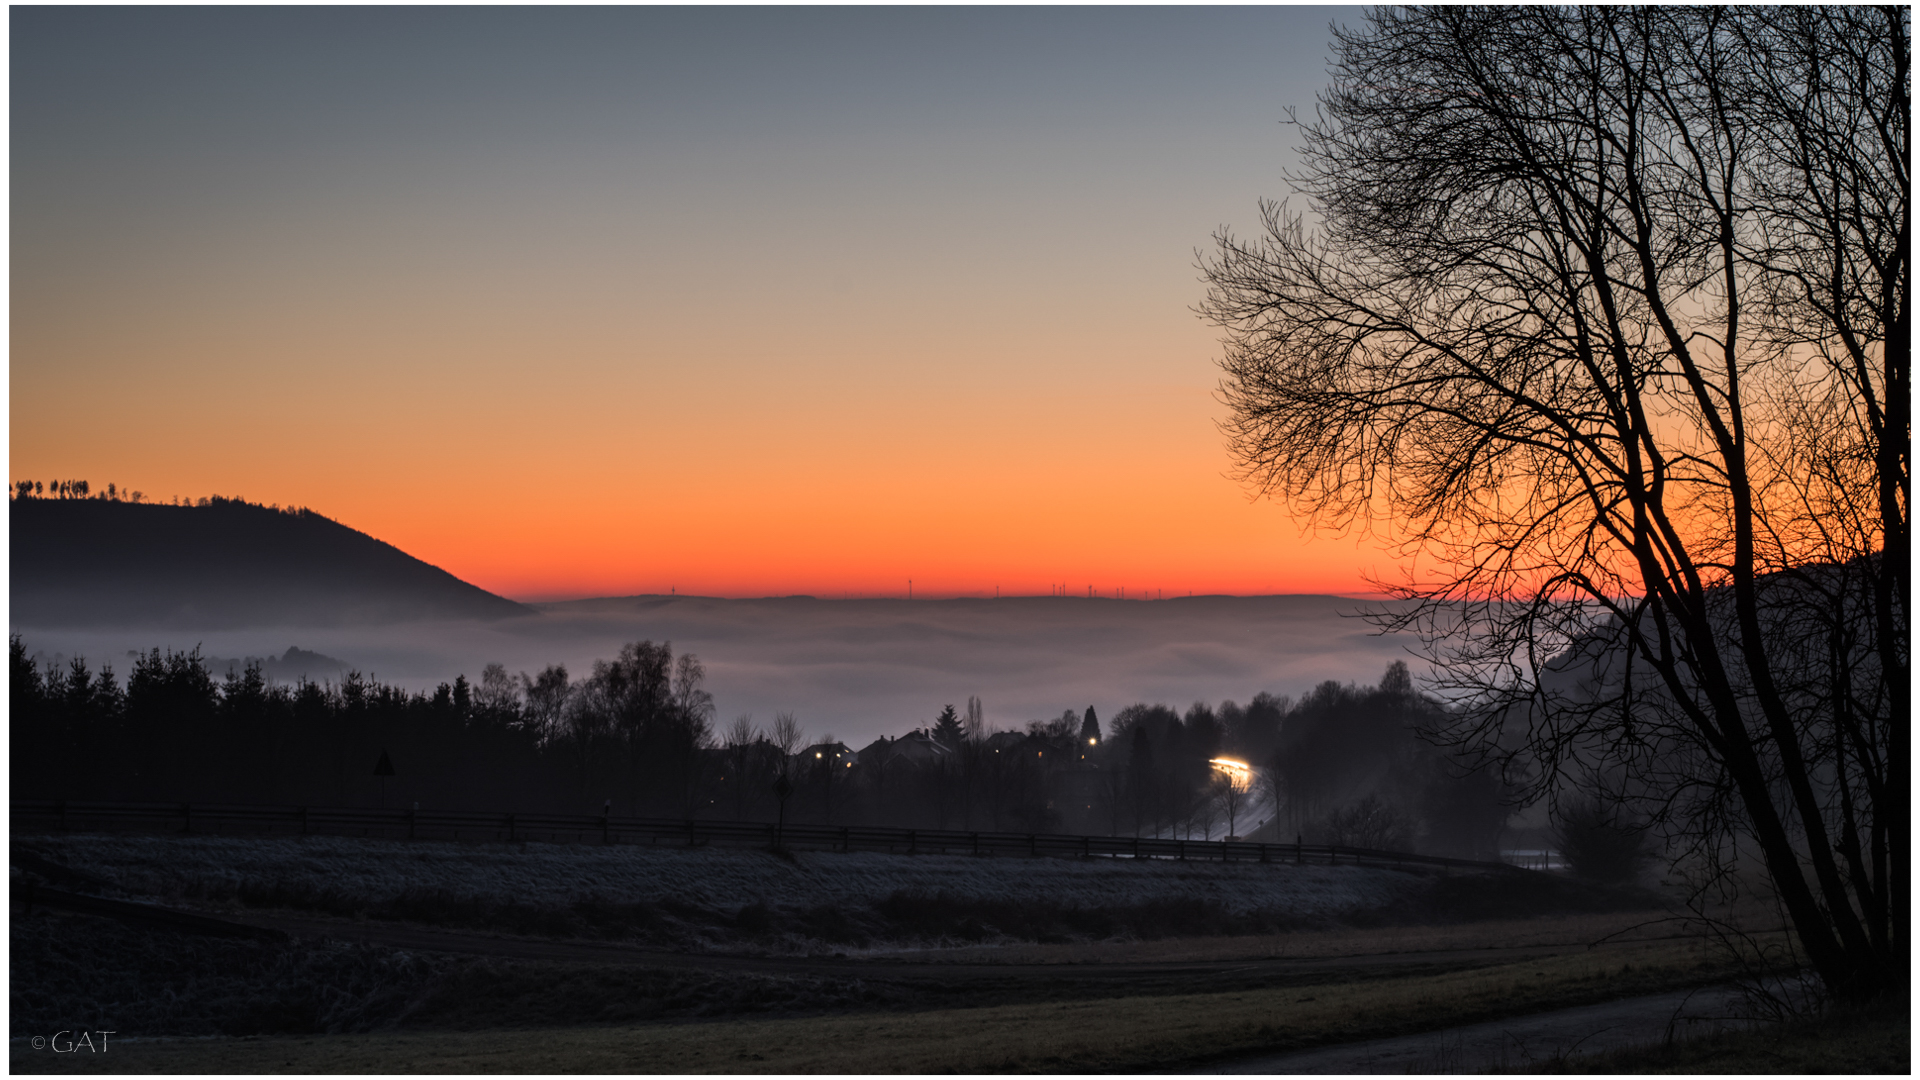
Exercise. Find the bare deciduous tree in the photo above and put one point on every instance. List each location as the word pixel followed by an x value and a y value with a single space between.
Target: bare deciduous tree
pixel 1368 823
pixel 975 723
pixel 1232 794
pixel 546 697
pixel 1604 322
pixel 739 740
pixel 787 736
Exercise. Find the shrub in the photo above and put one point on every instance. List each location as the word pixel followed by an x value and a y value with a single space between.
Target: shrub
pixel 1600 844
pixel 1369 823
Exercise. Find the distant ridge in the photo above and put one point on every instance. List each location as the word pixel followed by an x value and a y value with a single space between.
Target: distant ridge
pixel 226 563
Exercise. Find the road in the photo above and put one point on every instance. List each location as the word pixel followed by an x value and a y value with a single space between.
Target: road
pixel 1517 1042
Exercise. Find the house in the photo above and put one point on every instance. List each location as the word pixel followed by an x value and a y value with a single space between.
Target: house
pixel 875 753
pixel 1001 741
pixel 917 749
pixel 825 755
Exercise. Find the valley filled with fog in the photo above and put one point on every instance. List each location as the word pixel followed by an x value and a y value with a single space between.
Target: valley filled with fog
pixel 855 668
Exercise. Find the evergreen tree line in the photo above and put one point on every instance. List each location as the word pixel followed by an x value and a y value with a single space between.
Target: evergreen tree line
pixel 177 732
pixel 1342 765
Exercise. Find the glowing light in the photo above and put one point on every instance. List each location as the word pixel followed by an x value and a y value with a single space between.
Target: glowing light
pixel 1239 773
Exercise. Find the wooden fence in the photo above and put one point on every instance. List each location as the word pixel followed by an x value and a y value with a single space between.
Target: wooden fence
pixel 223 819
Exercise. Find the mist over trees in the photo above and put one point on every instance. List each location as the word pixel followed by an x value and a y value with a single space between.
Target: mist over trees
pixel 637 736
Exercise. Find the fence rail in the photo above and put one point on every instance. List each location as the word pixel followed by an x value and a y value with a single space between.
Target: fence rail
pixel 609 829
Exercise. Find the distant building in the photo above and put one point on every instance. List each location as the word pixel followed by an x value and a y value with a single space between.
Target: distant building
pixel 826 755
pixel 1001 741
pixel 918 750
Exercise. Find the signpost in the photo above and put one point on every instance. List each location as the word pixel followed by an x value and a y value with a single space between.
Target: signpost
pixel 782 787
pixel 383 769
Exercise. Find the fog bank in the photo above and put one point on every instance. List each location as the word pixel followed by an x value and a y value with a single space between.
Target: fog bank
pixel 858 668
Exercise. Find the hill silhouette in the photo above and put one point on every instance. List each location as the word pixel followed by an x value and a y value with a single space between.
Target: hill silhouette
pixel 225 563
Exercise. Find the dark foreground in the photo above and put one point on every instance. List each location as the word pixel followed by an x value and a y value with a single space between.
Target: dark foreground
pixel 452 1003
pixel 321 958
pixel 1875 1040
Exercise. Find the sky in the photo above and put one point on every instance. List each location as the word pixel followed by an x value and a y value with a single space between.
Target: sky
pixel 732 302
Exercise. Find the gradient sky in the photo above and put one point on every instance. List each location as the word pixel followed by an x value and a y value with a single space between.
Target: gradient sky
pixel 606 301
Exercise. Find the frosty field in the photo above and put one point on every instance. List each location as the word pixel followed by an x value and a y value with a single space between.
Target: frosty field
pixel 201 870
pixel 576 937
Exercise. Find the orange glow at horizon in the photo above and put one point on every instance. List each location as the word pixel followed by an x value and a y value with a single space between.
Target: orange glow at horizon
pixel 562 509
pixel 702 473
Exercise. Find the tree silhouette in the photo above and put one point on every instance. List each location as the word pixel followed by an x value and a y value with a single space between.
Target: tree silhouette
pixel 1090 728
pixel 1141 779
pixel 1607 315
pixel 787 736
pixel 975 724
pixel 947 730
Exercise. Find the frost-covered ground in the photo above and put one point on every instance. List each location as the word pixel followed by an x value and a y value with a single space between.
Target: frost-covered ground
pixel 718 880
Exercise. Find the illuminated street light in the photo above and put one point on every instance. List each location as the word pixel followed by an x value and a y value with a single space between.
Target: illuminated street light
pixel 1239 772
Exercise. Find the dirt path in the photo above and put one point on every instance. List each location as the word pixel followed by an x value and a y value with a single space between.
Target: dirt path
pixel 1516 1042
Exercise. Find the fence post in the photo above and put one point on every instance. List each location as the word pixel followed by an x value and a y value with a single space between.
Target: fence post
pixel 186 811
pixel 1033 844
pixel 1263 853
pixel 410 814
pixel 509 828
pixel 63 815
pixel 1183 851
pixel 1136 846
pixel 913 841
pixel 303 821
pixel 1086 847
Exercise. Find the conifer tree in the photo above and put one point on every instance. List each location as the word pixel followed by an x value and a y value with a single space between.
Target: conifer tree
pixel 946 729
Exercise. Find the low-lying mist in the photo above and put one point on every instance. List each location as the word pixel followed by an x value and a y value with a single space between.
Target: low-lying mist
pixel 855 668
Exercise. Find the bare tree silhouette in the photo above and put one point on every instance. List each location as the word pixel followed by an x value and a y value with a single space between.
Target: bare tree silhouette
pixel 1605 318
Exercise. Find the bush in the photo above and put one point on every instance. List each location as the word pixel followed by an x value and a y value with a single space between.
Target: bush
pixel 1369 823
pixel 1600 844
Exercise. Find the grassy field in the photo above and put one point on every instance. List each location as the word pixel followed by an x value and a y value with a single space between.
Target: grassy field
pixel 1123 1034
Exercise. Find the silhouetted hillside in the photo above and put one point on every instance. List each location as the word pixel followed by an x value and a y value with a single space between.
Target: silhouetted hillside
pixel 95 562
